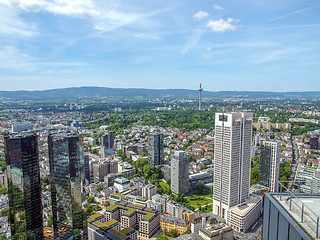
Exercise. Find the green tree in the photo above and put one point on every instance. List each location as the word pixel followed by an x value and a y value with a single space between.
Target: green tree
pixel 174 233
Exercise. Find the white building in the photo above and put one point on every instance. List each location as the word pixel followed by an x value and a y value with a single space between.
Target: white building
pixel 232 160
pixel 122 184
pixel 20 127
pixel 149 190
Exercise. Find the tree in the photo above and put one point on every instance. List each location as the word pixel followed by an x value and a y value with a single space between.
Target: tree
pixel 90 199
pixel 106 204
pixel 89 210
pixel 50 221
pixel 100 187
pixel 174 233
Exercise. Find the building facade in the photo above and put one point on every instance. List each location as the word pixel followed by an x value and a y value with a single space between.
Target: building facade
pixel 102 169
pixel 24 186
pixel 232 160
pixel 179 173
pixel 67 176
pixel 155 149
pixel 107 145
pixel 270 164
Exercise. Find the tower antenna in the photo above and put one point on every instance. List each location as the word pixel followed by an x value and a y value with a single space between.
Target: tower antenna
pixel 200 90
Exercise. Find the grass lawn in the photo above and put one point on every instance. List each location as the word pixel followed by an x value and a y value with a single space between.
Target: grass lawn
pixel 164 185
pixel 198 201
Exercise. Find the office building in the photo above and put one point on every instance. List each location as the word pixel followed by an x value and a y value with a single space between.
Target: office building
pixel 179 173
pixel 270 164
pixel 314 143
pixel 103 168
pixel 67 174
pixel 288 216
pixel 232 159
pixel 107 145
pixel 149 190
pixel 155 149
pixel 24 186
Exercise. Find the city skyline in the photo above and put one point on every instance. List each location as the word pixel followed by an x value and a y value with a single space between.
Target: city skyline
pixel 230 45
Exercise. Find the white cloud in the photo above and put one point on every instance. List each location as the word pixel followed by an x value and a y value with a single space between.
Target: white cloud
pixel 200 15
pixel 12 58
pixel 11 24
pixel 218 7
pixel 222 25
pixel 209 49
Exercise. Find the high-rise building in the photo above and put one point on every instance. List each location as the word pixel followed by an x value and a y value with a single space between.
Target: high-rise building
pixel 314 142
pixel 179 173
pixel 269 164
pixel 155 148
pixel 67 176
pixel 102 169
pixel 107 145
pixel 24 186
pixel 232 159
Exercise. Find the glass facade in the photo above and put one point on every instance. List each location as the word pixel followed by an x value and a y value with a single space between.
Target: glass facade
pixel 24 186
pixel 67 173
pixel 265 166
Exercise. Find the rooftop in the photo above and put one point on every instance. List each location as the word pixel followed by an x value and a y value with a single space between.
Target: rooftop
pixel 243 208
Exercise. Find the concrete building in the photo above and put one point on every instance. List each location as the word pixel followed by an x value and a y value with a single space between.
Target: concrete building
pixel 288 216
pixel 103 168
pixel 149 190
pixel 217 232
pixel 107 145
pixel 167 171
pixel 200 179
pixel 314 142
pixel 122 184
pixel 232 160
pixel 109 179
pixel 155 149
pixel 179 173
pixel 270 164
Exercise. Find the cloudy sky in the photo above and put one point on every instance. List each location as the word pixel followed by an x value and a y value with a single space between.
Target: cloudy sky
pixel 239 45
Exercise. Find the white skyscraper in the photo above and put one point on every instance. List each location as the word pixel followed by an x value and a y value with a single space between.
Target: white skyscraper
pixel 232 160
pixel 270 164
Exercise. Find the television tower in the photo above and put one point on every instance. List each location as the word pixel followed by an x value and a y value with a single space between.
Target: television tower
pixel 200 90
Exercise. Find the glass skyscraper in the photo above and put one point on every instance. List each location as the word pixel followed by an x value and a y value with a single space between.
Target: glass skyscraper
pixel 24 186
pixel 67 174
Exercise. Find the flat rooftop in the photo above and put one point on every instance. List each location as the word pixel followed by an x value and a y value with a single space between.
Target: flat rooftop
pixel 311 210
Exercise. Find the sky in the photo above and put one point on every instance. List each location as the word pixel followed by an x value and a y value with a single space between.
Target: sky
pixel 227 45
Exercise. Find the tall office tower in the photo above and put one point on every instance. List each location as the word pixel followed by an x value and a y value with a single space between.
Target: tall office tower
pixel 24 186
pixel 155 149
pixel 107 142
pixel 232 159
pixel 269 164
pixel 179 173
pixel 67 175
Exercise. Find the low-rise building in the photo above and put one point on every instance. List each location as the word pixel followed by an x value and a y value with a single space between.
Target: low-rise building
pixel 168 223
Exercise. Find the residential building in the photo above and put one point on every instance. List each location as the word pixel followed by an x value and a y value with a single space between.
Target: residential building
pixel 155 149
pixel 269 164
pixel 24 186
pixel 107 145
pixel 103 168
pixel 149 190
pixel 179 173
pixel 168 223
pixel 67 174
pixel 232 160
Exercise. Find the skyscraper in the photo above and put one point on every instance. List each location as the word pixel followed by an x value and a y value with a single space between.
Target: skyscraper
pixel 67 176
pixel 179 173
pixel 24 186
pixel 232 159
pixel 155 149
pixel 269 164
pixel 107 142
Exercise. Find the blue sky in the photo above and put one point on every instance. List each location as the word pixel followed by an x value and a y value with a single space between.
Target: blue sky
pixel 238 45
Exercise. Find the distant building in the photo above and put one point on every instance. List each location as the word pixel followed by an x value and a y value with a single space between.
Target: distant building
pixel 107 145
pixel 24 186
pixel 20 127
pixel 269 164
pixel 155 149
pixel 179 173
pixel 314 143
pixel 67 173
pixel 75 123
pixel 87 173
pixel 102 169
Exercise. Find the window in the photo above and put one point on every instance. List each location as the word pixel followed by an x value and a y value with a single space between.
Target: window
pixel 223 118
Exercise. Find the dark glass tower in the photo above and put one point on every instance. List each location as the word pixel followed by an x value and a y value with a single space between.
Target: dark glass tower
pixel 24 186
pixel 155 149
pixel 67 175
pixel 265 165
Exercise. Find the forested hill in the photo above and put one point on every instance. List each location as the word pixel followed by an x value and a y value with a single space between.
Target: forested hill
pixel 141 92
